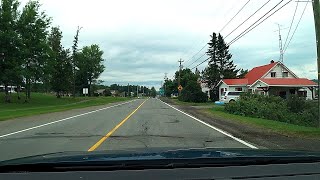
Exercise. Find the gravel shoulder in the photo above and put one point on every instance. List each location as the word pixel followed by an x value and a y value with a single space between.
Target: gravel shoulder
pixel 261 137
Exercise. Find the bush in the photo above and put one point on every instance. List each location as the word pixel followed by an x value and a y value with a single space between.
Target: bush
pixel 192 93
pixel 294 110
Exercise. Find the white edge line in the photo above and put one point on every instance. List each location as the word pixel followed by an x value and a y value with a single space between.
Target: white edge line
pixel 212 127
pixel 53 122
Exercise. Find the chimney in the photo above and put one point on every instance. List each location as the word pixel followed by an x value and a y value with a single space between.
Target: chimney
pixel 272 61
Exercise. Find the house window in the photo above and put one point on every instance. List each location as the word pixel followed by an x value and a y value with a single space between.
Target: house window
pixel 225 89
pixel 273 74
pixel 238 88
pixel 285 74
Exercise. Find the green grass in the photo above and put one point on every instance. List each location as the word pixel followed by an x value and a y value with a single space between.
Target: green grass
pixel 176 101
pixel 46 103
pixel 275 126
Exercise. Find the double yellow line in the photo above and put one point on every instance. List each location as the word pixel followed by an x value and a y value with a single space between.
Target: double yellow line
pixel 97 144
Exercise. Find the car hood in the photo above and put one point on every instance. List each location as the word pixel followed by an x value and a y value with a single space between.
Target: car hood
pixel 157 154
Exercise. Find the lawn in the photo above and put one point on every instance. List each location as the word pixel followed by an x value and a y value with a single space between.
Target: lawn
pixel 46 103
pixel 276 126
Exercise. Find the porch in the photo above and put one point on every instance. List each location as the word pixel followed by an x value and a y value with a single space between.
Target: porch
pixel 284 92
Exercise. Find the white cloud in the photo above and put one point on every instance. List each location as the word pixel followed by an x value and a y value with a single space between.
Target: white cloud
pixel 143 39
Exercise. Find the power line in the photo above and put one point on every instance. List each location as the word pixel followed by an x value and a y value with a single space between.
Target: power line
pixel 248 29
pixel 248 18
pixel 234 15
pixel 251 26
pixel 196 60
pixel 218 33
pixel 196 54
pixel 294 14
pixel 305 7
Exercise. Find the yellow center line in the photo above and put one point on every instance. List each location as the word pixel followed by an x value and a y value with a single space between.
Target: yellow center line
pixel 97 144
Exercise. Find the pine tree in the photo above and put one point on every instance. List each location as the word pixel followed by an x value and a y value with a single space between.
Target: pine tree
pixel 220 64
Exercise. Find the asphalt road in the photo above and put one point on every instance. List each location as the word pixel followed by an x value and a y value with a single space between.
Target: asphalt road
pixel 141 123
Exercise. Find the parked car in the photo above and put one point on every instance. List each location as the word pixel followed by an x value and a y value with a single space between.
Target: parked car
pixel 230 96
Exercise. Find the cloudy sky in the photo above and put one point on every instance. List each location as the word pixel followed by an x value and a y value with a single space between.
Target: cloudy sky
pixel 143 39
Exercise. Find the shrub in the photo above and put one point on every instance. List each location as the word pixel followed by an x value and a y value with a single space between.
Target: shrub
pixel 294 110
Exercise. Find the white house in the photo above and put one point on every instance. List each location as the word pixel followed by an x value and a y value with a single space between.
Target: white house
pixel 270 79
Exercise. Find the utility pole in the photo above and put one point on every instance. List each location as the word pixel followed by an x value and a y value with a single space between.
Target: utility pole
pixel 316 13
pixel 137 90
pixel 179 79
pixel 74 49
pixel 164 85
pixel 128 90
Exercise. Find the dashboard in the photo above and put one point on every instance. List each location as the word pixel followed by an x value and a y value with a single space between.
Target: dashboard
pixel 271 171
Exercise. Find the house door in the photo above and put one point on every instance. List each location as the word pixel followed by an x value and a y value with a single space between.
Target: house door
pixel 283 94
pixel 221 92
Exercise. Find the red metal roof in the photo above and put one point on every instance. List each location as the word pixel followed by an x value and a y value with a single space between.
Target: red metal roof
pixel 235 81
pixel 288 81
pixel 257 72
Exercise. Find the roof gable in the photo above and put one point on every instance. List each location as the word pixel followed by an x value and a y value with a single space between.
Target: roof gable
pixel 257 72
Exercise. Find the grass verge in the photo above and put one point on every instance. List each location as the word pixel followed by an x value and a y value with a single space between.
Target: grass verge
pixel 275 126
pixel 46 103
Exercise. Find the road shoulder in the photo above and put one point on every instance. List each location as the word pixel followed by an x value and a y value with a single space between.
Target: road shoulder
pixel 260 136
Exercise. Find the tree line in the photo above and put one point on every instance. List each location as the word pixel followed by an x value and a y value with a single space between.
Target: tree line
pixel 31 53
pixel 220 66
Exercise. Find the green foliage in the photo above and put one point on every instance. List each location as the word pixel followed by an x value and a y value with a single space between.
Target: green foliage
pixel 242 73
pixel 107 92
pixel 192 93
pixel 90 65
pixel 153 92
pixel 59 65
pixel 33 29
pixel 295 110
pixel 220 64
pixel 10 44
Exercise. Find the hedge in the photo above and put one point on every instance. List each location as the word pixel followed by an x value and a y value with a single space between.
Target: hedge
pixel 294 110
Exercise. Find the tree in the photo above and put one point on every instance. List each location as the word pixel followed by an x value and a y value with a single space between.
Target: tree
pixel 61 64
pixel 107 92
pixel 153 92
pixel 10 46
pixel 90 64
pixel 193 93
pixel 219 66
pixel 242 73
pixel 33 29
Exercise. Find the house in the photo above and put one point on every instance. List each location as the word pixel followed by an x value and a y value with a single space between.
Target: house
pixel 270 79
pixel 99 92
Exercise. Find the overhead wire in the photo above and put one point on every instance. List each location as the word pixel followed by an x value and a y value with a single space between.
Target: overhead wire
pixel 305 7
pixel 248 29
pixel 234 16
pixel 294 14
pixel 219 32
pixel 247 18
pixel 252 25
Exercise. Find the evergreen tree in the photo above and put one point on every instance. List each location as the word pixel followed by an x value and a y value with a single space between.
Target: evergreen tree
pixel 220 64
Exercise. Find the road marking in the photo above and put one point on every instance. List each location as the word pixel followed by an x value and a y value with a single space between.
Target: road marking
pixel 53 122
pixel 97 144
pixel 212 127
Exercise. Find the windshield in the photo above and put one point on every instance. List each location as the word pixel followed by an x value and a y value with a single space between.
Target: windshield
pixel 99 76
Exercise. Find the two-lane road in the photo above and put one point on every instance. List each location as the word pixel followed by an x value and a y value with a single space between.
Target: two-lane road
pixel 142 123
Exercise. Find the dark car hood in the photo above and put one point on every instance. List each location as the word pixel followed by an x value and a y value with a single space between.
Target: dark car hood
pixel 156 154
